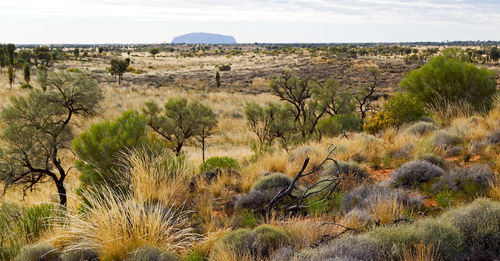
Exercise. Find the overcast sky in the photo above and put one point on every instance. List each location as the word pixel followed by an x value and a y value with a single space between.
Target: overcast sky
pixel 158 21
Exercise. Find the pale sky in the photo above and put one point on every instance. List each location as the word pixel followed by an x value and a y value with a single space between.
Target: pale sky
pixel 278 21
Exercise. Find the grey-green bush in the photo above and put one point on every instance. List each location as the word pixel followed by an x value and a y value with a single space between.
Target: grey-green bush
pixel 268 239
pixel 479 225
pixel 414 173
pixel 272 182
pixel 260 243
pixel 421 128
pixel 479 175
pixel 446 139
pixel 39 252
pixel 346 248
pixel 432 158
pixel 393 239
pixel 342 168
pixel 364 196
pixel 80 255
pixel 148 253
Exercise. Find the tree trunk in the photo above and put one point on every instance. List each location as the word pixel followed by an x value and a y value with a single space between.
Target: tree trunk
pixel 203 148
pixel 61 190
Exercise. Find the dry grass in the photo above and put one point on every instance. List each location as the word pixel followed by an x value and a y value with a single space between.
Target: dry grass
pixel 115 226
pixel 157 176
pixel 387 211
pixel 305 231
pixel 494 190
pixel 420 252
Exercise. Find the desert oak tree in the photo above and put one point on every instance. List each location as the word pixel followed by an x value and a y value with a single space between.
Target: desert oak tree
pixel 38 128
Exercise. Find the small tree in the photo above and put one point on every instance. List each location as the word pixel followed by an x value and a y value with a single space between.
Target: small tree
pixel 76 53
pixel 154 52
pixel 38 128
pixel 27 73
pixel 43 56
pixel 3 58
pixel 180 121
pixel 364 98
pixel 118 68
pixel 217 79
pixel 269 123
pixel 207 121
pixel 100 50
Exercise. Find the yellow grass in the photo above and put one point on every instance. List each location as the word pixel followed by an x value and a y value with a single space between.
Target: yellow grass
pixel 115 226
pixel 421 252
pixel 387 210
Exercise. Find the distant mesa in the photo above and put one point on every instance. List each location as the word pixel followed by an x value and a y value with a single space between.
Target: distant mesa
pixel 204 38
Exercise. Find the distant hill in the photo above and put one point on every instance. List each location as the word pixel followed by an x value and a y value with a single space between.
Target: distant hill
pixel 204 38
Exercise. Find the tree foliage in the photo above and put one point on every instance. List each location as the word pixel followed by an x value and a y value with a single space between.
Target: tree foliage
pixel 38 128
pixel 180 121
pixel 446 81
pixel 154 52
pixel 118 68
pixel 270 122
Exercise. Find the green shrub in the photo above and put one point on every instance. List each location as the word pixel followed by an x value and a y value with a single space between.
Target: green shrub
pixel 223 163
pixel 272 182
pixel 239 241
pixel 338 124
pixel 224 67
pixel 397 111
pixel 445 81
pixel 80 255
pixel 150 254
pixel 36 219
pixel 394 239
pixel 479 224
pixel 99 150
pixel 268 239
pixel 39 252
pixel 26 86
pixel 259 243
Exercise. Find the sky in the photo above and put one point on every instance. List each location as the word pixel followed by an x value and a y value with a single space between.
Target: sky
pixel 249 21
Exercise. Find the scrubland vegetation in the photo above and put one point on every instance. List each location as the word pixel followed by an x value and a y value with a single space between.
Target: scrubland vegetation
pixel 99 165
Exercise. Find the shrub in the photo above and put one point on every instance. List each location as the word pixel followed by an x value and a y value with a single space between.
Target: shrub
pixel 444 81
pixel 394 239
pixel 432 158
pixel 346 248
pixel 445 139
pixel 80 255
pixel 26 86
pixel 224 67
pixel 365 196
pixel 222 163
pixel 150 254
pixel 268 239
pixel 39 252
pixel 421 128
pixel 493 137
pixel 238 241
pixel 259 243
pixel 98 150
pixel 338 124
pixel 479 175
pixel 255 200
pixel 272 182
pixel 342 168
pixel 284 254
pixel 479 225
pixel 36 219
pixel 413 174
pixel 399 109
